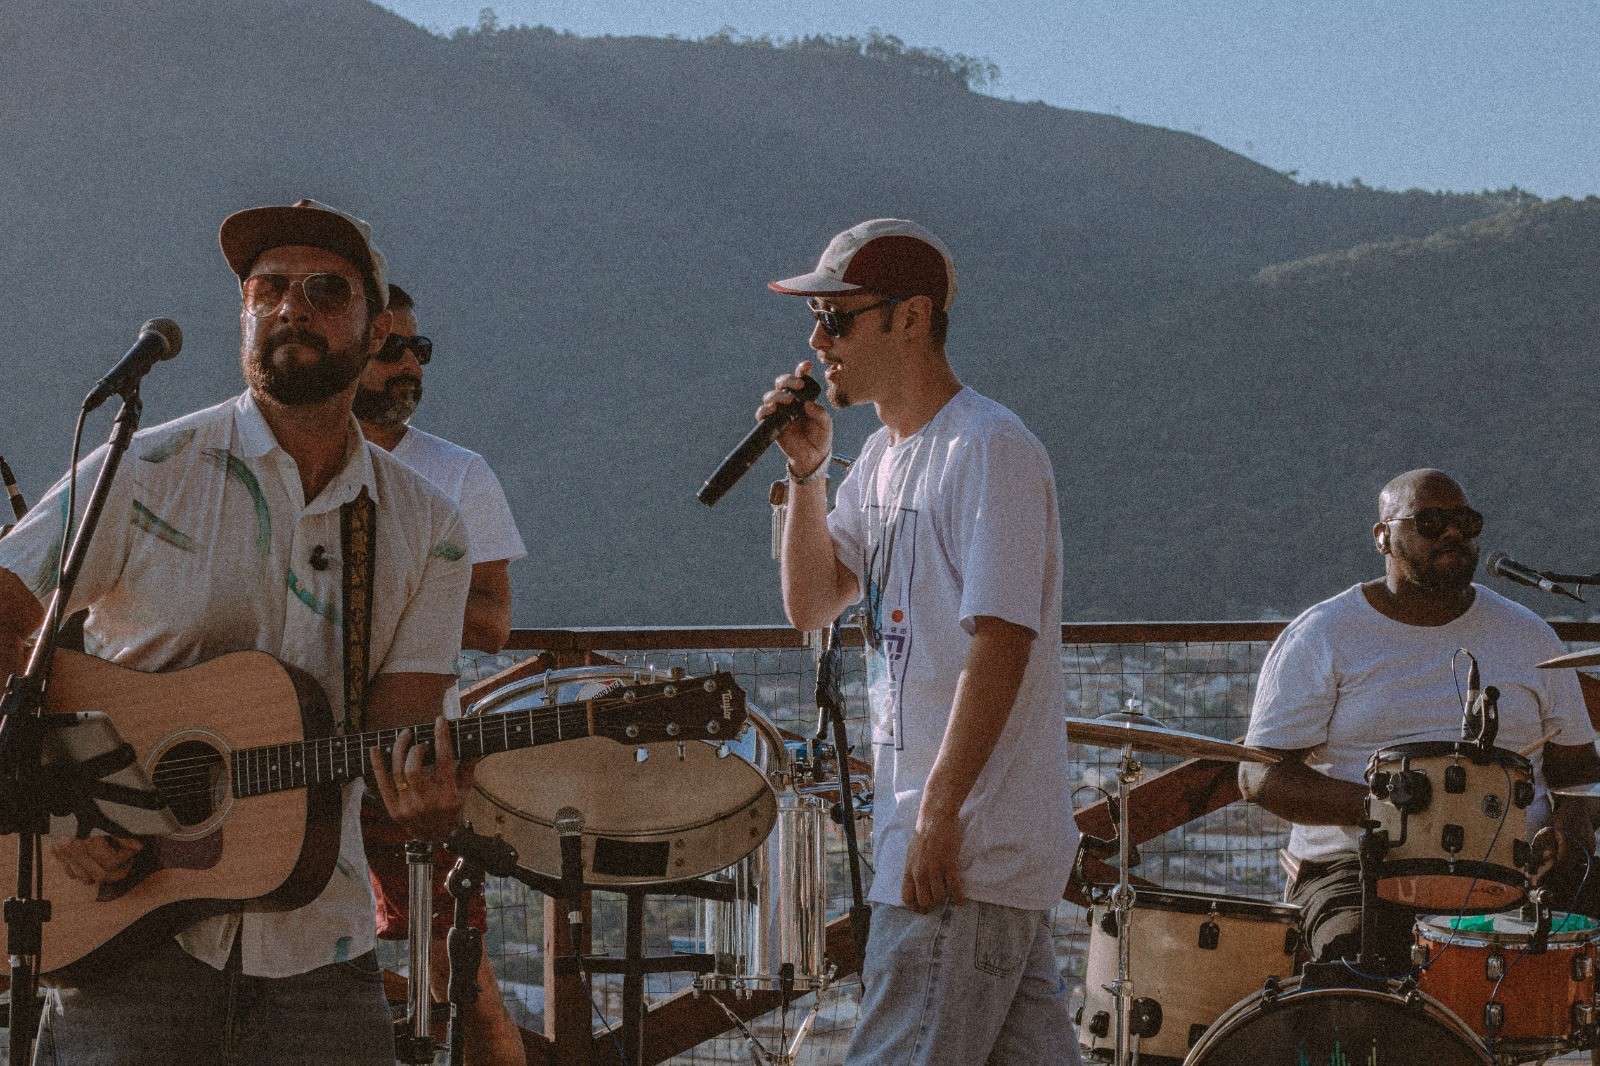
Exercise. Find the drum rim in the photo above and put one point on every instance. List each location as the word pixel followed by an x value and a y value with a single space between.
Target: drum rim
pixel 1465 749
pixel 1474 870
pixel 1261 907
pixel 1291 989
pixel 1426 926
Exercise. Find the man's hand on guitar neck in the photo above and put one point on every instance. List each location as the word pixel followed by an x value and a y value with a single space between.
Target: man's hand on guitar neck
pixel 424 798
pixel 97 859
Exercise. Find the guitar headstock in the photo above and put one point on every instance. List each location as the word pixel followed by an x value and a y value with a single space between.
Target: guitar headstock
pixel 709 707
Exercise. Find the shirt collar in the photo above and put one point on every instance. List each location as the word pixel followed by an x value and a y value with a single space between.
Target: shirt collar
pixel 256 440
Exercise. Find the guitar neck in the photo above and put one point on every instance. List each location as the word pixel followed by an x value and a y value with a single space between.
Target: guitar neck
pixel 334 760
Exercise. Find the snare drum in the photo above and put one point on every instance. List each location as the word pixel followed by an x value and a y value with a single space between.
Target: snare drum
pixel 1338 1026
pixel 1455 816
pixel 772 932
pixel 1528 1006
pixel 1193 956
pixel 651 812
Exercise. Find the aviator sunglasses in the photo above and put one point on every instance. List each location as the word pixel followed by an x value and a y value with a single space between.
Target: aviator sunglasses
pixel 394 349
pixel 327 293
pixel 837 323
pixel 1431 522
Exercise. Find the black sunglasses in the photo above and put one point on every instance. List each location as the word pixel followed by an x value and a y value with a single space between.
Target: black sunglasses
pixel 837 323
pixel 394 349
pixel 1431 522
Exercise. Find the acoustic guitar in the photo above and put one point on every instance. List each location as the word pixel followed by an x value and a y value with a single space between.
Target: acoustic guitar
pixel 243 751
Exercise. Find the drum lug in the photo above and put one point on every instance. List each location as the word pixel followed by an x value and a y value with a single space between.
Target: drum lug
pixel 1419 954
pixel 1146 1018
pixel 1494 1015
pixel 1210 934
pixel 1494 967
pixel 1582 967
pixel 1522 794
pixel 1584 1015
pixel 1455 779
pixel 1108 922
pixel 1452 839
pixel 1100 1024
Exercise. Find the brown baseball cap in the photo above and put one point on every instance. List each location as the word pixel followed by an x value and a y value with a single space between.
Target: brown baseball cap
pixel 891 256
pixel 246 234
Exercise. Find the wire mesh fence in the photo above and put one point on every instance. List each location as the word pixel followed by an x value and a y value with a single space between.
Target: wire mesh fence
pixel 1200 687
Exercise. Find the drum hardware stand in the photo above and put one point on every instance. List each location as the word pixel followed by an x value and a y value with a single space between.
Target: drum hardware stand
pixel 1374 843
pixel 415 1044
pixel 22 726
pixel 1129 770
pixel 759 1055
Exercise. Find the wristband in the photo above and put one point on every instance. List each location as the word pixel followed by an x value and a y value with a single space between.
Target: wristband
pixel 818 474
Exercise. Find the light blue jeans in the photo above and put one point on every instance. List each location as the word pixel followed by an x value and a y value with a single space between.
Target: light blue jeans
pixel 167 1007
pixel 962 986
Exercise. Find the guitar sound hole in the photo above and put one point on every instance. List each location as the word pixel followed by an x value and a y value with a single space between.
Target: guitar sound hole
pixel 189 777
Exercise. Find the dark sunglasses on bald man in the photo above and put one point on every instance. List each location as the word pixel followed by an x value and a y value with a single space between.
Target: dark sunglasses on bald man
pixel 328 294
pixel 837 323
pixel 1431 522
pixel 394 349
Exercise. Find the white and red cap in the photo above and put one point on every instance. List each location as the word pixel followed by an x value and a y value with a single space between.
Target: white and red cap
pixel 888 256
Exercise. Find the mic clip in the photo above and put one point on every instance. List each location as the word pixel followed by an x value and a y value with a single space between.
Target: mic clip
pixel 319 558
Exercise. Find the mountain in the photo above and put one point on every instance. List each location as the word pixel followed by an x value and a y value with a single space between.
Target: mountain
pixel 588 225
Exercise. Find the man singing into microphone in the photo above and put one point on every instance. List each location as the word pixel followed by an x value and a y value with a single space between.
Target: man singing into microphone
pixel 1377 665
pixel 947 525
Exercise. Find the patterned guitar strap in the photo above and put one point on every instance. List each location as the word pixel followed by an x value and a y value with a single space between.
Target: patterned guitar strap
pixel 358 540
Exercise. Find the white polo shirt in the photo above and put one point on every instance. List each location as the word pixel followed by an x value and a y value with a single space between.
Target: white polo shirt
pixel 204 548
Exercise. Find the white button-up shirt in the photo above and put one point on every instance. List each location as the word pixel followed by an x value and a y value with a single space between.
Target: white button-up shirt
pixel 204 547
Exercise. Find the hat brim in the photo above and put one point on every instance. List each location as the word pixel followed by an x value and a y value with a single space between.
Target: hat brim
pixel 815 283
pixel 246 234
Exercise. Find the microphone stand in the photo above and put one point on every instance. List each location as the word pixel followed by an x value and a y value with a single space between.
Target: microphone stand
pixel 830 706
pixel 22 777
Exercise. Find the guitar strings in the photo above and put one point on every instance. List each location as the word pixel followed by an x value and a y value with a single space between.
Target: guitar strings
pixel 199 775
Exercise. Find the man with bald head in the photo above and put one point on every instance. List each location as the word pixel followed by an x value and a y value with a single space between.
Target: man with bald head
pixel 1377 665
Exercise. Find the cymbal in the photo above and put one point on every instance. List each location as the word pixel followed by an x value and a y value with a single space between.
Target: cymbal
pixel 1573 659
pixel 1144 733
pixel 1589 791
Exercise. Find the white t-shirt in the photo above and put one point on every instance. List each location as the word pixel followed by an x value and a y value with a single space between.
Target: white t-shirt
pixel 957 521
pixel 203 548
pixel 1345 680
pixel 466 478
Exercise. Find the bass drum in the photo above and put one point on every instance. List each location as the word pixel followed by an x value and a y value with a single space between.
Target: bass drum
pixel 651 812
pixel 1338 1026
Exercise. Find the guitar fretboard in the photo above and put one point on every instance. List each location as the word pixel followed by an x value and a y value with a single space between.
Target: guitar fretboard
pixel 333 760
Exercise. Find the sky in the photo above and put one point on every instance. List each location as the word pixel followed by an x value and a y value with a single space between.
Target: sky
pixel 1460 95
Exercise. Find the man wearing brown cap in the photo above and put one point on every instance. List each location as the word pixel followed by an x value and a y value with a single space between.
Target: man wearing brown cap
pixel 946 529
pixel 214 540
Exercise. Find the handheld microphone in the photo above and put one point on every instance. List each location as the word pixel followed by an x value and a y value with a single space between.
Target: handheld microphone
pixel 569 826
pixel 756 442
pixel 1502 565
pixel 159 338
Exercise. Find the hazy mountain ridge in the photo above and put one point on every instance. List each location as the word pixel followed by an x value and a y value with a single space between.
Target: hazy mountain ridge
pixel 588 224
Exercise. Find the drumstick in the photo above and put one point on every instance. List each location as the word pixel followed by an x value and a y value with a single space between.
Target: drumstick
pixel 1541 742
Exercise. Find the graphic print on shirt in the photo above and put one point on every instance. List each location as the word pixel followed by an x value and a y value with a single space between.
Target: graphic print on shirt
pixel 889 564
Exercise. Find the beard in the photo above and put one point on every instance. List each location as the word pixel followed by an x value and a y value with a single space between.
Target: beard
pixel 1452 573
pixel 297 386
pixel 391 406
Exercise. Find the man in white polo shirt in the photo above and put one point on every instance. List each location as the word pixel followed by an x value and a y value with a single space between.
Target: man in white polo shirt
pixel 390 389
pixel 212 540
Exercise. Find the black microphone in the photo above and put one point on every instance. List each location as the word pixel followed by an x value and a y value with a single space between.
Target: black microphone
pixel 757 441
pixel 1502 565
pixel 159 338
pixel 569 825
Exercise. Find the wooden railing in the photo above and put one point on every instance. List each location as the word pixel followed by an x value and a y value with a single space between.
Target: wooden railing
pixel 1167 801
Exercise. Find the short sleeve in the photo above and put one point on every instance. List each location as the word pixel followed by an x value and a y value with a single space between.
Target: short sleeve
pixel 846 520
pixel 1004 522
pixel 491 529
pixel 32 551
pixel 1561 703
pixel 1296 689
pixel 427 639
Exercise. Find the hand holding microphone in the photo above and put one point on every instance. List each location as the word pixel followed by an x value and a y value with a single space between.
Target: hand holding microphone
pixel 788 414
